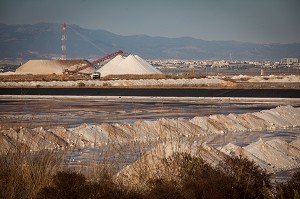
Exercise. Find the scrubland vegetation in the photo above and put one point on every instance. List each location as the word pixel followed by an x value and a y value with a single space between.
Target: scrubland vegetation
pixel 44 174
pixel 54 77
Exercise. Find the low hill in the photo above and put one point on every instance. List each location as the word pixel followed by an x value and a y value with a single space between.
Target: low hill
pixel 43 41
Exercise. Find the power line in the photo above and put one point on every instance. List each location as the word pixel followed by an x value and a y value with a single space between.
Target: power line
pixel 86 39
pixel 63 42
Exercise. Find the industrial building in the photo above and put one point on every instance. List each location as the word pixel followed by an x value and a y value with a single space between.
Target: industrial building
pixel 289 61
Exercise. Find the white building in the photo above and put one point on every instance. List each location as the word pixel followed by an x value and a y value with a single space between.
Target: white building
pixel 289 61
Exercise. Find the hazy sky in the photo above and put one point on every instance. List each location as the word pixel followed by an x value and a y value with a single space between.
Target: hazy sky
pixel 260 21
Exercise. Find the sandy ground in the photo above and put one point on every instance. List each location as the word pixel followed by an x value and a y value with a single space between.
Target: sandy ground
pixel 240 81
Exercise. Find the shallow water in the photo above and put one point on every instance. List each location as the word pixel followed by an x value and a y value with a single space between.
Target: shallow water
pixel 247 137
pixel 70 112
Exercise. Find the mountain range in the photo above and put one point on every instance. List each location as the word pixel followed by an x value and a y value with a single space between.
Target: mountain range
pixel 43 41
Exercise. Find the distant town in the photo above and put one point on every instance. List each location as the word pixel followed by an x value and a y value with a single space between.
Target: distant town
pixel 284 66
pixel 175 63
pixel 207 66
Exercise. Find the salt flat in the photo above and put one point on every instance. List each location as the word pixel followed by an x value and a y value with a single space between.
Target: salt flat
pixel 69 111
pixel 131 131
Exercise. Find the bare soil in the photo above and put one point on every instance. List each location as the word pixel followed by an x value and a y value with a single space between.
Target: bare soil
pixel 54 77
pixel 230 83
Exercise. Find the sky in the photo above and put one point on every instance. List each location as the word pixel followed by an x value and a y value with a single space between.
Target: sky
pixel 258 21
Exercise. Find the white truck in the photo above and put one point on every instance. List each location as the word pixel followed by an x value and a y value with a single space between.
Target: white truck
pixel 95 75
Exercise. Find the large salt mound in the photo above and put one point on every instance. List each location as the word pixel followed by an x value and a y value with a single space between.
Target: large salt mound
pixel 237 151
pixel 106 69
pixel 151 165
pixel 277 153
pixel 130 65
pixel 150 67
pixel 44 67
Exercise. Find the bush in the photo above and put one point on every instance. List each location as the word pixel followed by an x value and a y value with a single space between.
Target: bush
pixel 65 185
pixel 23 173
pixel 81 84
pixel 248 178
pixel 74 185
pixel 233 178
pixel 291 188
pixel 106 84
pixel 161 188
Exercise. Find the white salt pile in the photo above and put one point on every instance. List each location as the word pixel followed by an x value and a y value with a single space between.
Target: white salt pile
pixel 106 69
pixel 150 67
pixel 132 64
pixel 44 67
pixel 195 129
pixel 276 153
pixel 273 155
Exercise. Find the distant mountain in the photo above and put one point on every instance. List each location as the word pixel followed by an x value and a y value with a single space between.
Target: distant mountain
pixel 43 41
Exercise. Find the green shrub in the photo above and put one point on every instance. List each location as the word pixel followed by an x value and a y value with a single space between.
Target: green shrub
pixel 106 84
pixel 266 191
pixel 81 84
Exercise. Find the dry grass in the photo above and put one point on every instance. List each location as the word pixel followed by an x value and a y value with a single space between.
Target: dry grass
pixel 54 77
pixel 153 76
pixel 42 174
pixel 24 173
pixel 46 78
pixel 229 83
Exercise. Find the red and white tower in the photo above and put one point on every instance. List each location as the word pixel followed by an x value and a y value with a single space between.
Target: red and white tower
pixel 63 42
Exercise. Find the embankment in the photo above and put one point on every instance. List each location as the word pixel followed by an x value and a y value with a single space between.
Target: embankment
pixel 161 92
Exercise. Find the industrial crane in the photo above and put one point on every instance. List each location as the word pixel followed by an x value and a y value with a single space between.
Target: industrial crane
pixel 90 64
pixel 109 56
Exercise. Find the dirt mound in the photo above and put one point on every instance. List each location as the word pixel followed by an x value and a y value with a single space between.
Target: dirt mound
pixel 36 67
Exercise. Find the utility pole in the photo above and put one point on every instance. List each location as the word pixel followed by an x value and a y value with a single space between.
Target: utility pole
pixel 63 42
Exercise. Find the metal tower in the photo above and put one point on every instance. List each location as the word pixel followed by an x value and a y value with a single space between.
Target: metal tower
pixel 63 42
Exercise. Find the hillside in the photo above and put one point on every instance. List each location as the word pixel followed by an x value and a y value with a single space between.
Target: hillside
pixel 43 41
